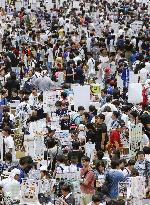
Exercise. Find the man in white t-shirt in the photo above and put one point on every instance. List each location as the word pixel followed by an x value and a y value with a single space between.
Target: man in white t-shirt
pixel 50 57
pixel 91 65
pixel 8 141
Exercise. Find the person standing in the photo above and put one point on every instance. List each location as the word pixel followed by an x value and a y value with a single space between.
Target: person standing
pixel 87 181
pixel 44 83
pixel 8 141
pixel 50 57
pixel 113 177
pixel 91 65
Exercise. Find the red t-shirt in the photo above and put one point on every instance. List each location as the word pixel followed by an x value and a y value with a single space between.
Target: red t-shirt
pixel 115 137
pixel 90 178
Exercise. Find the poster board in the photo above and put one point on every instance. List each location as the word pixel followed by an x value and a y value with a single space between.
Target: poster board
pixel 1 146
pixel 63 136
pixel 18 5
pixel 123 189
pixel 135 139
pixel 95 89
pixel 49 100
pixel 38 147
pixel 137 97
pixel 29 190
pixel 81 96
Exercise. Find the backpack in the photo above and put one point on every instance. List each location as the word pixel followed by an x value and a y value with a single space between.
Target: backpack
pixel 28 86
pixel 73 125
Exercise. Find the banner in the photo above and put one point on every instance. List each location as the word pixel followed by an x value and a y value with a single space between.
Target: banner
pixel 135 93
pixel 135 139
pixel 81 96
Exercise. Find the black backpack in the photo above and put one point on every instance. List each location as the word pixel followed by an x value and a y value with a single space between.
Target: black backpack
pixel 28 86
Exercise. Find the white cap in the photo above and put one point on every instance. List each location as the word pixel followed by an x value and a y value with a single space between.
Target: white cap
pixel 15 172
pixel 43 168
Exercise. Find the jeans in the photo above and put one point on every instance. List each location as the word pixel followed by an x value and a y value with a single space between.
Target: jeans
pixel 49 66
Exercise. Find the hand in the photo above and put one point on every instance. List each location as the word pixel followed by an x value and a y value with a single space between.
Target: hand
pixel 103 147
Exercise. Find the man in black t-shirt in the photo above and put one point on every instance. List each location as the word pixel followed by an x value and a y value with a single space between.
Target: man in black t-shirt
pixel 101 132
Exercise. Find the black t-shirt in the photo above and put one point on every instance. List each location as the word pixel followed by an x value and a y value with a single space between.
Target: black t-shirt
pixel 101 128
pixel 14 98
pixel 91 136
pixel 69 79
pixel 79 76
pixel 75 153
pixel 11 84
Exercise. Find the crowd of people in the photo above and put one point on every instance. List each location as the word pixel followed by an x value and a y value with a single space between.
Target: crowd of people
pixel 51 47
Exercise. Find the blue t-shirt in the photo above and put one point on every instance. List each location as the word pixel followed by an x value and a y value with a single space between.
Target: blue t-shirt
pixel 22 174
pixel 114 177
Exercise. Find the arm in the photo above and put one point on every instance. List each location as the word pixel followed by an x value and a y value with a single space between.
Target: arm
pixel 103 140
pixel 88 179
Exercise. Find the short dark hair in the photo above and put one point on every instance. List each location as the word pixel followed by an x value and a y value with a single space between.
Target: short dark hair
pixel 7 129
pixel 92 108
pixel 60 158
pixel 108 98
pixel 25 160
pixel 123 161
pixel 120 202
pixel 112 202
pixel 66 187
pixel 104 91
pixel 85 158
pixel 134 172
pixel 8 156
pixel 116 114
pixel 100 163
pixel 101 116
pixel 114 164
pixel 100 154
pixel 131 162
pixel 80 108
pixel 96 198
pixel 140 152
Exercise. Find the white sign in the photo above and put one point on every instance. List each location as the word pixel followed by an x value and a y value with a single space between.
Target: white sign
pixel 49 100
pixel 135 93
pixel 81 96
pixel 29 190
pixel 18 5
pixel 1 146
pixel 135 139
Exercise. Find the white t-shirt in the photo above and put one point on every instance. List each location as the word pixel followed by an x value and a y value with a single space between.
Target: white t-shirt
pixel 61 168
pixel 147 66
pixel 143 75
pixel 76 59
pixel 91 65
pixel 9 144
pixel 50 55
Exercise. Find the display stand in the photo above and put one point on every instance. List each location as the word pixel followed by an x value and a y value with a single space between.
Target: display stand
pixel 135 139
pixel 29 191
